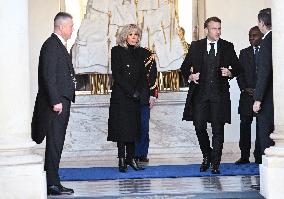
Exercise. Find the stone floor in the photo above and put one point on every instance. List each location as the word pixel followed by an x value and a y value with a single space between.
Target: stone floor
pixel 180 188
pixel 205 187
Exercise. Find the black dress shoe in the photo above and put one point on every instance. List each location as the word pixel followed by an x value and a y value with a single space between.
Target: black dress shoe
pixel 133 163
pixel 143 159
pixel 59 190
pixel 258 161
pixel 122 167
pixel 215 169
pixel 205 164
pixel 54 190
pixel 242 161
pixel 65 190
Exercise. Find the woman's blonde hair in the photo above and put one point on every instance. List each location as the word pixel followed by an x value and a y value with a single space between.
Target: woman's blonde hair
pixel 121 39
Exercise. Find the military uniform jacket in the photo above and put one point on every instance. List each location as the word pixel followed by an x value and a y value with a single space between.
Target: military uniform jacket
pixel 54 83
pixel 226 57
pixel 129 75
pixel 151 73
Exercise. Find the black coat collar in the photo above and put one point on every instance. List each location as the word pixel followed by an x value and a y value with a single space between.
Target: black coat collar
pixel 63 48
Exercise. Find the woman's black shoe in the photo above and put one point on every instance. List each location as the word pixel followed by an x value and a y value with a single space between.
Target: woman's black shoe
pixel 205 164
pixel 122 167
pixel 133 163
pixel 215 168
pixel 143 159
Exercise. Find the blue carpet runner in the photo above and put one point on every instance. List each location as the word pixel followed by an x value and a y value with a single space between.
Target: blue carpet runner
pixel 162 171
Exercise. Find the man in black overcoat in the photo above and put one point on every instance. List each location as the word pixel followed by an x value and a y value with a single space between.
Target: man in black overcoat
pixel 246 81
pixel 263 94
pixel 209 64
pixel 56 90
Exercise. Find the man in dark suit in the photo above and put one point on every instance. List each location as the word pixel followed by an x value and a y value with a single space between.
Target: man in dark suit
pixel 209 64
pixel 263 94
pixel 246 81
pixel 56 90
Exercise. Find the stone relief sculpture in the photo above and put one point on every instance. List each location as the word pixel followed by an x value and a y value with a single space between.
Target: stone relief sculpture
pixel 103 19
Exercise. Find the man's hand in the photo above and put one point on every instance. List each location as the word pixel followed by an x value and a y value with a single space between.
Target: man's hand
pixel 256 106
pixel 194 77
pixel 58 108
pixel 249 91
pixel 226 72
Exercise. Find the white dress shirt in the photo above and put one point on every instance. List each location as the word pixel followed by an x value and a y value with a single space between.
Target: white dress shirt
pixel 266 34
pixel 255 48
pixel 209 46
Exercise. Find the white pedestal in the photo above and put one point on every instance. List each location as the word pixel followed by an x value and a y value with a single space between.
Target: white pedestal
pixel 22 177
pixel 272 177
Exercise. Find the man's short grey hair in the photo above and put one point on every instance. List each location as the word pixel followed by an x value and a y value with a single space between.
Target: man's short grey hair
pixel 60 17
pixel 121 39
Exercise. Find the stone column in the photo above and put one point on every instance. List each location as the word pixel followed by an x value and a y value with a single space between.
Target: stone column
pixel 272 168
pixel 21 172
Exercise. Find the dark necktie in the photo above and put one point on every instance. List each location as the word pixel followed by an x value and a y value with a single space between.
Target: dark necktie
pixel 212 50
pixel 256 48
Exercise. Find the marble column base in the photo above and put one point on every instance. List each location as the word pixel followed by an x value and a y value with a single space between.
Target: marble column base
pixel 271 177
pixel 23 181
pixel 21 172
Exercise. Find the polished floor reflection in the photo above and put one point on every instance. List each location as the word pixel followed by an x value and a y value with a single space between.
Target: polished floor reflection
pixel 189 187
pixel 167 187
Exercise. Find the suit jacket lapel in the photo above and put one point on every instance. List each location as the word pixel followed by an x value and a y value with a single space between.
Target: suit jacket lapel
pixel 65 53
pixel 220 52
pixel 202 50
pixel 62 47
pixel 59 41
pixel 251 59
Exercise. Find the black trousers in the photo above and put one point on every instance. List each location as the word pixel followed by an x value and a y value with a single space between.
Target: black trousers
pixel 204 110
pixel 54 143
pixel 265 126
pixel 126 149
pixel 245 138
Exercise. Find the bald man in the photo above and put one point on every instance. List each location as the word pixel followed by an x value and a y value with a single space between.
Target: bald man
pixel 247 81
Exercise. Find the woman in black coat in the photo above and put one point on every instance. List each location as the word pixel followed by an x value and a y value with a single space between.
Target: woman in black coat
pixel 129 75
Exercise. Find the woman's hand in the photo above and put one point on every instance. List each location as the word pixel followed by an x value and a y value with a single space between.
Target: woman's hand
pixel 194 77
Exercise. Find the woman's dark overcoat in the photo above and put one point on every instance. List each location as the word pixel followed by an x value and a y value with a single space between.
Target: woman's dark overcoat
pixel 129 77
